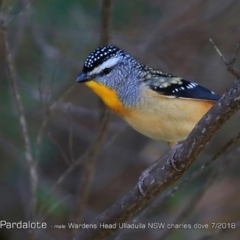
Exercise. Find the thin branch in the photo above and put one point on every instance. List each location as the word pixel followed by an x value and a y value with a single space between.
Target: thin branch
pixel 28 150
pixel 46 114
pixel 68 171
pixel 170 32
pixel 105 22
pixel 40 90
pixel 65 157
pixel 224 149
pixel 45 121
pixel 229 64
pixel 46 110
pixel 39 136
pixel 235 55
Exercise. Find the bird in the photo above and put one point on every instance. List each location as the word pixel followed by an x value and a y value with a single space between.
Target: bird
pixel 157 104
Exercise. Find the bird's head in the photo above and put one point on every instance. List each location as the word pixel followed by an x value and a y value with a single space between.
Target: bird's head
pixel 111 73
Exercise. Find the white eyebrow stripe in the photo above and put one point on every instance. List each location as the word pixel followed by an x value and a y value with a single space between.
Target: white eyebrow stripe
pixel 107 64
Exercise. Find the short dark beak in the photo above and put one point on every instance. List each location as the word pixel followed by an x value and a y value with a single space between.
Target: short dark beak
pixel 82 78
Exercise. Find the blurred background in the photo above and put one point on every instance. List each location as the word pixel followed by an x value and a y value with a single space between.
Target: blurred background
pixel 49 41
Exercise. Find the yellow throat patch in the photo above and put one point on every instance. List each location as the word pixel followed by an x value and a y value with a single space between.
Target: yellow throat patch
pixel 109 96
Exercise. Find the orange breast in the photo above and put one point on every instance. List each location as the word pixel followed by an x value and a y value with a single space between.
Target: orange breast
pixel 109 97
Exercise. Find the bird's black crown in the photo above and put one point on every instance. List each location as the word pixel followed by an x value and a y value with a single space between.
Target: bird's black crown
pixel 99 55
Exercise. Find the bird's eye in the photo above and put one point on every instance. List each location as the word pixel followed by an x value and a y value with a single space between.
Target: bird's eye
pixel 106 71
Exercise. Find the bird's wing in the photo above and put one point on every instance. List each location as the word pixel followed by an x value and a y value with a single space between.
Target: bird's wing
pixel 171 86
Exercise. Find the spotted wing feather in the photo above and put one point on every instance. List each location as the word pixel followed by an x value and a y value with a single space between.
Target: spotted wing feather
pixel 177 87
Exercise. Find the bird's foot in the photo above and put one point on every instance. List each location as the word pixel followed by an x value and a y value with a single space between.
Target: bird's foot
pixel 174 146
pixel 147 172
pixel 144 175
